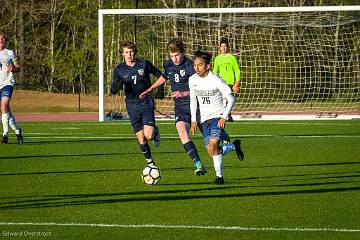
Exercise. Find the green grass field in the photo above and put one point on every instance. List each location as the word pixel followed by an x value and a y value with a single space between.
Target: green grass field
pixel 81 180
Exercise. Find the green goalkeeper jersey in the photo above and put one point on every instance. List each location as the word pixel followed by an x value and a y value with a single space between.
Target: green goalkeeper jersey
pixel 227 68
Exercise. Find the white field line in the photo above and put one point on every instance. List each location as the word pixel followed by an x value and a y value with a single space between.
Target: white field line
pixel 171 122
pixel 228 228
pixel 70 135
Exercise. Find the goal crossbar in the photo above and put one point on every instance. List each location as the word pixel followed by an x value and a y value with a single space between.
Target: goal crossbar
pixel 229 10
pixel 162 11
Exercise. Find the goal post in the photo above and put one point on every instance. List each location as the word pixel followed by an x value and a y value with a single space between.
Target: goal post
pixel 292 59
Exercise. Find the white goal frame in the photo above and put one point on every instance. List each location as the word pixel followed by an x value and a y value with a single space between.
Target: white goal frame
pixel 157 11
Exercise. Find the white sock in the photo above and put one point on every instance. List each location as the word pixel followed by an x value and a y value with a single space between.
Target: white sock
pixel 150 161
pixel 226 148
pixel 5 122
pixel 12 123
pixel 218 164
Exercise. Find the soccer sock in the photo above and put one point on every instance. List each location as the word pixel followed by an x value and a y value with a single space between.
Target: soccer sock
pixel 191 150
pixel 145 149
pixel 12 123
pixel 218 164
pixel 226 148
pixel 5 122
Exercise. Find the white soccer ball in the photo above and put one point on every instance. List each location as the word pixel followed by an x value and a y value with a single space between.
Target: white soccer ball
pixel 151 175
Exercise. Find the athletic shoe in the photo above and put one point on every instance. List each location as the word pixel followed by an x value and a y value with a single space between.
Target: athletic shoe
pixel 156 140
pixel 219 180
pixel 20 137
pixel 239 152
pixel 200 169
pixel 5 139
pixel 152 164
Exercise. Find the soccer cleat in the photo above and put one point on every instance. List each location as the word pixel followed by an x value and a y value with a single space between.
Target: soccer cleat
pixel 219 180
pixel 20 137
pixel 151 164
pixel 239 152
pixel 156 140
pixel 5 139
pixel 200 169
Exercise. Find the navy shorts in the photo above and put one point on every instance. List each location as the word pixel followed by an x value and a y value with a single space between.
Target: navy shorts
pixel 210 130
pixel 6 91
pixel 183 114
pixel 140 115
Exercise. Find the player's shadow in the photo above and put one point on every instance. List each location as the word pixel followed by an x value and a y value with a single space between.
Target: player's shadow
pixel 83 155
pixel 298 165
pixel 302 177
pixel 252 186
pixel 68 172
pixel 68 155
pixel 65 200
pixel 75 140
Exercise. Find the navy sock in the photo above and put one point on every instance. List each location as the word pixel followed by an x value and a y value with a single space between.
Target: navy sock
pixel 145 149
pixel 191 150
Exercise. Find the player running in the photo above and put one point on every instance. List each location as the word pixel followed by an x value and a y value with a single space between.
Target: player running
pixel 8 65
pixel 215 103
pixel 178 69
pixel 133 76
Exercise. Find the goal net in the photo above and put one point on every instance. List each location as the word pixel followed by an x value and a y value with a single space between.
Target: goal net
pixel 292 60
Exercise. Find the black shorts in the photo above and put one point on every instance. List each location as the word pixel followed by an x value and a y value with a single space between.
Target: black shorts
pixel 183 114
pixel 141 114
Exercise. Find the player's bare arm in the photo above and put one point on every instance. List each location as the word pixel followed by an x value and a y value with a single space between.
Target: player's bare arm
pixel 161 80
pixel 177 94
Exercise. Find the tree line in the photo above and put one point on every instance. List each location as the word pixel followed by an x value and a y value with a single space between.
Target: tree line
pixel 57 40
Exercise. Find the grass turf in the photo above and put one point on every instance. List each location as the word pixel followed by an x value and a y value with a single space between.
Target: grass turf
pixel 299 180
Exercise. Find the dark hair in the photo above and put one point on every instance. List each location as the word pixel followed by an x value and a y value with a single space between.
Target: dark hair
pixel 224 40
pixel 203 55
pixel 176 45
pixel 130 45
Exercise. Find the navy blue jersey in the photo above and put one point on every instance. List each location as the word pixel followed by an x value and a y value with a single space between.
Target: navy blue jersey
pixel 179 77
pixel 133 80
pixel 179 74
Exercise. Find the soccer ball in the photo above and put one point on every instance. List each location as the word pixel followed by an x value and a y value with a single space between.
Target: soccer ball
pixel 151 175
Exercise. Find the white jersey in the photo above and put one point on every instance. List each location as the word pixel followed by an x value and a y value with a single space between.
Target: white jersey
pixel 214 97
pixel 7 57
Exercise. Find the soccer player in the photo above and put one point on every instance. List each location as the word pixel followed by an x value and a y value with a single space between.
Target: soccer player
pixel 178 69
pixel 8 65
pixel 133 76
pixel 215 103
pixel 227 67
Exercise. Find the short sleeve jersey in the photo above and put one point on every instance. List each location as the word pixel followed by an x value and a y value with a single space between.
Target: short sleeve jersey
pixel 134 80
pixel 7 57
pixel 179 77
